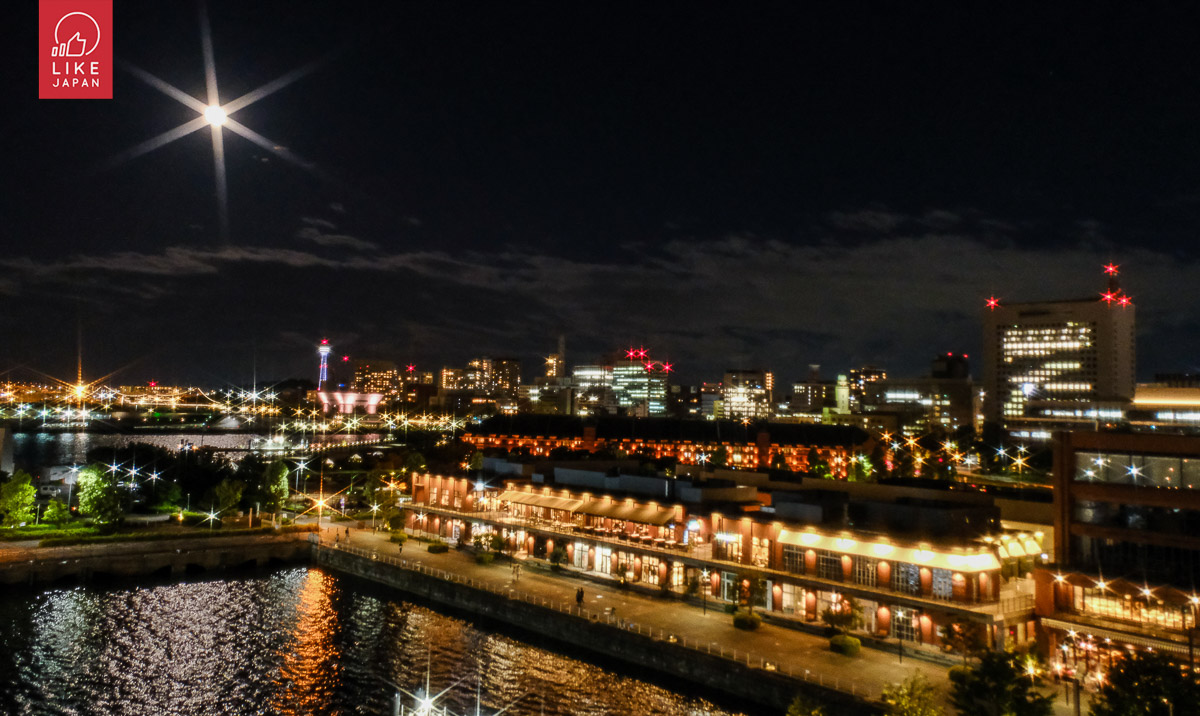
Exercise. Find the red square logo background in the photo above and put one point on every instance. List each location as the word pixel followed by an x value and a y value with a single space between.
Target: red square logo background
pixel 75 49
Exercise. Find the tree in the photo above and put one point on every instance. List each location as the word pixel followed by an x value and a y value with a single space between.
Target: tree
pixel 275 485
pixel 914 696
pixel 845 615
pixel 1147 683
pixel 966 638
pixel 56 513
pixel 476 462
pixel 861 469
pixel 17 496
pixel 720 457
pixel 99 496
pixel 817 465
pixel 755 592
pixel 778 461
pixel 229 494
pixel 999 685
pixel 414 462
pixel 805 705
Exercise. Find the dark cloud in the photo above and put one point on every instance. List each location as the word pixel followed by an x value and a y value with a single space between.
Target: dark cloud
pixel 314 234
pixel 893 299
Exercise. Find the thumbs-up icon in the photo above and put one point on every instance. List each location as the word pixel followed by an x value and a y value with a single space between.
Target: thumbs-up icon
pixel 75 46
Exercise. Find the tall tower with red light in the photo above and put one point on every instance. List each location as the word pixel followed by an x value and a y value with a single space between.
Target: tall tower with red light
pixel 1055 365
pixel 323 351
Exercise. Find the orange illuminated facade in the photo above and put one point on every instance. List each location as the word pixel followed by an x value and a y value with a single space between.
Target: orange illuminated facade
pixel 908 590
pixel 688 442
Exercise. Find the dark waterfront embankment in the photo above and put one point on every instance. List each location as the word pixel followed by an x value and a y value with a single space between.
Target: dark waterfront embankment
pixel 719 668
pixel 168 557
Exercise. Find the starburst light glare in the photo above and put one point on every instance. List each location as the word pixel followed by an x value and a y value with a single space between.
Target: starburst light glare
pixel 215 115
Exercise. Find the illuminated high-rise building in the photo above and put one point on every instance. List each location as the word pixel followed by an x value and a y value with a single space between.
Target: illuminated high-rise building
pixel 1055 363
pixel 640 385
pixel 376 376
pixel 859 379
pixel 506 378
pixel 452 379
pixel 745 394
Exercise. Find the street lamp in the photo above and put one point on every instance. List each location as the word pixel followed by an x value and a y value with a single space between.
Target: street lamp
pixel 374 509
pixel 704 591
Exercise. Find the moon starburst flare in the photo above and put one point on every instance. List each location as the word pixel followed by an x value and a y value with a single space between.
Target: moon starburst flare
pixel 215 115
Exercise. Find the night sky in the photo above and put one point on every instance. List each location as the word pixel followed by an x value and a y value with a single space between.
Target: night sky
pixel 729 184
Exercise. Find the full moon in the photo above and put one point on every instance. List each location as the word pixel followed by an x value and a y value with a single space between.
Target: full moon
pixel 215 115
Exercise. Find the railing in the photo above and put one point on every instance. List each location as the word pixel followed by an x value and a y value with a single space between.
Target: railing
pixel 854 687
pixel 1014 605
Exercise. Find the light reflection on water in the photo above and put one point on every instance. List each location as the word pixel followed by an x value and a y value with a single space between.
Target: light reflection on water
pixel 36 450
pixel 293 642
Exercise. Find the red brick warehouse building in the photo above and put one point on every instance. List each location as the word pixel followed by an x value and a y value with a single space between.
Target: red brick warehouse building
pixel 755 446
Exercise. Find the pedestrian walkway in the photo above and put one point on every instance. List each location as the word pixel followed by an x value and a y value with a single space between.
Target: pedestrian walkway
pixel 798 651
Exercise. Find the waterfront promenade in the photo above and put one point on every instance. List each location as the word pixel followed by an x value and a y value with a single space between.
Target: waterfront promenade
pixel 791 651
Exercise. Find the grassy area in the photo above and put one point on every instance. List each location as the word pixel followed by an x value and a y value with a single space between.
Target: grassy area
pixel 63 541
pixel 27 532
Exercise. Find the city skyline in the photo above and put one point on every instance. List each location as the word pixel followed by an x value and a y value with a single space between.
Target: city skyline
pixel 777 188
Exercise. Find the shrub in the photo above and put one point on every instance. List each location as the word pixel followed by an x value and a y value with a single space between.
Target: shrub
pixel 398 537
pixel 156 536
pixel 438 547
pixel 961 670
pixel 44 530
pixel 484 558
pixel 731 609
pixel 845 645
pixel 746 620
pixel 558 556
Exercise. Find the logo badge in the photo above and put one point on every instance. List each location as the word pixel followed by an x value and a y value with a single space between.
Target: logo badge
pixel 75 49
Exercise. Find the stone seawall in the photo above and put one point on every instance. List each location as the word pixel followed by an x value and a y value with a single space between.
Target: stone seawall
pixel 739 675
pixel 166 557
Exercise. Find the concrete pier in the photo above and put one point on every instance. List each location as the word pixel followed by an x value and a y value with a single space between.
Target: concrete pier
pixel 738 674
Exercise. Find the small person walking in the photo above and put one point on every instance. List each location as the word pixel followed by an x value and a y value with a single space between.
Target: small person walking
pixel 579 597
pixel 401 551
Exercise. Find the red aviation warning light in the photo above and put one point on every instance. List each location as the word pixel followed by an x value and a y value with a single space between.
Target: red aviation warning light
pixel 1108 297
pixel 410 367
pixel 1125 301
pixel 993 302
pixel 1111 269
pixel 667 367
